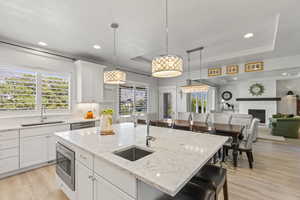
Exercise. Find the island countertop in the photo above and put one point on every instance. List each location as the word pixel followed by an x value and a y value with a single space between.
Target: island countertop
pixel 177 155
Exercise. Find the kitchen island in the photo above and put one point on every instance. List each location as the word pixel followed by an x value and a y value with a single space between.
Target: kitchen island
pixel 175 157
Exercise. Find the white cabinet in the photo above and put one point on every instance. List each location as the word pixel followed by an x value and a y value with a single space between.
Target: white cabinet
pixel 33 150
pixel 38 145
pixel 9 151
pixel 51 148
pixel 84 182
pixel 103 190
pixel 89 82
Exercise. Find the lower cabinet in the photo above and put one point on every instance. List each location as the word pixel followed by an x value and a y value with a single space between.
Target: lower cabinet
pixel 103 190
pixel 51 148
pixel 90 186
pixel 84 182
pixel 33 150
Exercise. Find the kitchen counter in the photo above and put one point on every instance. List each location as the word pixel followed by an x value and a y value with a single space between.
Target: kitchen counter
pixel 178 155
pixel 8 127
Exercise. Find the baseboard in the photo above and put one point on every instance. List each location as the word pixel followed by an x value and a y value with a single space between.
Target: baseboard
pixel 26 169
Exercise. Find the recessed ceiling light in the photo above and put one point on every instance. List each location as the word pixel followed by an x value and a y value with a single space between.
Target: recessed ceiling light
pixel 96 46
pixel 43 44
pixel 248 35
pixel 284 74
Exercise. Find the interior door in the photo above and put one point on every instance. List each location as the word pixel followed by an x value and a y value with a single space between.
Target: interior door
pixel 167 102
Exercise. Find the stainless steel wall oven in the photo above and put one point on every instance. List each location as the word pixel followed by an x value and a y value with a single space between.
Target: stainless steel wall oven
pixel 65 165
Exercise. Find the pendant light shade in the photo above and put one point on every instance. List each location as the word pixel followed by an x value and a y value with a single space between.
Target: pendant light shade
pixel 114 77
pixel 167 66
pixel 190 87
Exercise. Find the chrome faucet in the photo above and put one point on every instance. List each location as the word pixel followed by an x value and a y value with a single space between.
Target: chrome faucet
pixel 43 111
pixel 148 137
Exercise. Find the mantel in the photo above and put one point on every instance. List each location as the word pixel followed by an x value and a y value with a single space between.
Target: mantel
pixel 260 99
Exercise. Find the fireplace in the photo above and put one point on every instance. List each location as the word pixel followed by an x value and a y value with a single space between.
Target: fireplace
pixel 260 114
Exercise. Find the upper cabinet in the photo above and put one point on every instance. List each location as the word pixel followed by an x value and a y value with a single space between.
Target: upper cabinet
pixel 89 82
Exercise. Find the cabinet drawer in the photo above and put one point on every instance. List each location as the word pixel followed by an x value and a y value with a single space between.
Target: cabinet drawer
pixel 9 164
pixel 9 153
pixel 118 177
pixel 6 144
pixel 7 135
pixel 43 130
pixel 84 158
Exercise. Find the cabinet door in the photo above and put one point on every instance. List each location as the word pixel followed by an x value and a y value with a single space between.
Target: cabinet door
pixel 51 154
pixel 33 150
pixel 84 182
pixel 103 190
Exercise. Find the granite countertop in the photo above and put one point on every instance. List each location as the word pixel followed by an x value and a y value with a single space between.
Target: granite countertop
pixel 177 155
pixel 8 127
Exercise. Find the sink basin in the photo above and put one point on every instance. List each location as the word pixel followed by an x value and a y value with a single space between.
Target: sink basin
pixel 133 153
pixel 42 123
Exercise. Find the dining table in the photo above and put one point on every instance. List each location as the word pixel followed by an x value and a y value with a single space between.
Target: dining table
pixel 229 130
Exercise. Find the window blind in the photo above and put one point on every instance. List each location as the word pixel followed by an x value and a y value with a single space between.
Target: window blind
pixel 126 100
pixel 141 99
pixel 55 91
pixel 17 90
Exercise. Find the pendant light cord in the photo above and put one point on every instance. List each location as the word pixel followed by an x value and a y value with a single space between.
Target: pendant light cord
pixel 189 66
pixel 115 49
pixel 167 29
pixel 200 61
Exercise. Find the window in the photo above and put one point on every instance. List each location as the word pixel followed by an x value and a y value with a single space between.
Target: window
pixel 55 91
pixel 140 99
pixel 17 90
pixel 132 99
pixel 199 102
pixel 25 90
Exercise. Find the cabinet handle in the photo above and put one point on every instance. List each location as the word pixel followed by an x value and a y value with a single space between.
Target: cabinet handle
pixel 83 157
pixel 90 177
pixel 94 179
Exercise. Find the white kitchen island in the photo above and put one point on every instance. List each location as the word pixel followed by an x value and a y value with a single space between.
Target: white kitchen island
pixel 100 174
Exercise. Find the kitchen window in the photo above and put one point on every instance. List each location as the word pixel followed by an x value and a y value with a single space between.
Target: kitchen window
pixel 132 99
pixel 25 90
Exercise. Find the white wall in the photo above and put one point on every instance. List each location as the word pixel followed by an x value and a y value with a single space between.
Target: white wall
pixel 17 57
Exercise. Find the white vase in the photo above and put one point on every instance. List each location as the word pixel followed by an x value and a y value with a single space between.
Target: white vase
pixel 106 123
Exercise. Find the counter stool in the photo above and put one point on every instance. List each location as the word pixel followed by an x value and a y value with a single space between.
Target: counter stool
pixel 214 176
pixel 192 191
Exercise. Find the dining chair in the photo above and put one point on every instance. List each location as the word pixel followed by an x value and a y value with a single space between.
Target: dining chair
pixel 245 145
pixel 243 120
pixel 200 117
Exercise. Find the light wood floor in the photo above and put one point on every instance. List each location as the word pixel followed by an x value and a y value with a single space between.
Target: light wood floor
pixel 276 176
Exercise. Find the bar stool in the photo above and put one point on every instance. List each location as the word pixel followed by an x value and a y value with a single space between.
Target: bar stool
pixel 192 191
pixel 215 177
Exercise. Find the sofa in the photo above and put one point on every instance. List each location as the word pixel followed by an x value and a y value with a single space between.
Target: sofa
pixel 286 127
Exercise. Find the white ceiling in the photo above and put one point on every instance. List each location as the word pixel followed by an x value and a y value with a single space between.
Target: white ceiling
pixel 74 26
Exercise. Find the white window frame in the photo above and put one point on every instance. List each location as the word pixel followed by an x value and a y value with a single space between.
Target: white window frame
pixel 36 111
pixel 134 85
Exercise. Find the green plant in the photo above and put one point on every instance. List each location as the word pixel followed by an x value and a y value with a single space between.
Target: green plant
pixel 107 112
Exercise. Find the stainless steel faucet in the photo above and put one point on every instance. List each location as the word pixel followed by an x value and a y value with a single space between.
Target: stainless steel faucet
pixel 148 137
pixel 43 111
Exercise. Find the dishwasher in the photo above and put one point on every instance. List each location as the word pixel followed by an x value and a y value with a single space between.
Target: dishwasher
pixel 82 125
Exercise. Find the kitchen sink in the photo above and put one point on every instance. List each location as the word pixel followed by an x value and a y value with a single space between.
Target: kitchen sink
pixel 42 123
pixel 133 153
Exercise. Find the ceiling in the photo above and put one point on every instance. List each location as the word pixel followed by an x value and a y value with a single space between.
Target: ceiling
pixel 74 26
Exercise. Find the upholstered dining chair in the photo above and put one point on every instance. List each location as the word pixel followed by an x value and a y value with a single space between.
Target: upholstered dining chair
pixel 184 116
pixel 245 145
pixel 241 119
pixel 200 117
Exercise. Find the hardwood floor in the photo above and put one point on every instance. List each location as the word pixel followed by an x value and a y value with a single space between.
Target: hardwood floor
pixel 276 176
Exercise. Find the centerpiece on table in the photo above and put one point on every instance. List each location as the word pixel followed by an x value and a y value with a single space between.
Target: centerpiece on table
pixel 106 122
